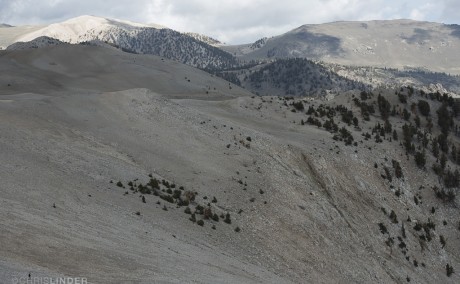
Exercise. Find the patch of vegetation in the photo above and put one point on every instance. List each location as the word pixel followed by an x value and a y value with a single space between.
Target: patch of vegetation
pixel 344 135
pixel 383 228
pixel 398 169
pixel 167 191
pixel 446 195
pixel 298 106
pixel 442 240
pixel 420 159
pixel 424 107
pixel 449 270
pixel 298 77
pixel 227 218
pixel 393 217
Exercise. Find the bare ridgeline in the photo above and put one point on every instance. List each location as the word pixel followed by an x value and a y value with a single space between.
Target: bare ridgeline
pixel 124 165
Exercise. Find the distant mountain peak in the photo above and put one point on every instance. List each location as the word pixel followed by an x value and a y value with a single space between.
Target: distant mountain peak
pixel 192 49
pixel 397 43
pixel 89 19
pixel 83 28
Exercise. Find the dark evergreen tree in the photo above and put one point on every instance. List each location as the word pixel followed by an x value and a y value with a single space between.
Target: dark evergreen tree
pixel 444 119
pixel 424 107
pixel 420 159
pixel 384 107
pixel 406 114
pixel 442 141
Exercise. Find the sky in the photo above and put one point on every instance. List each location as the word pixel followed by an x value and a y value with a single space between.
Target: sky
pixel 230 21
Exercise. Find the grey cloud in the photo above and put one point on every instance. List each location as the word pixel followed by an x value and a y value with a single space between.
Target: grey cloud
pixel 33 12
pixel 451 12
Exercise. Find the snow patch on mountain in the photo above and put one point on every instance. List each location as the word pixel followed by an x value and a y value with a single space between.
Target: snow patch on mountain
pixel 84 28
pixel 192 49
pixel 206 39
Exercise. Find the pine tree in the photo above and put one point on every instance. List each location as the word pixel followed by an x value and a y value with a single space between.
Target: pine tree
pixel 227 218
pixel 424 107
pixel 420 159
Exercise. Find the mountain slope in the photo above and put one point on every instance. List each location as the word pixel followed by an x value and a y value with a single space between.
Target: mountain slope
pixel 139 38
pixel 175 185
pixel 396 44
pixel 10 35
pixel 291 77
pixel 104 69
pixel 84 28
pixel 205 39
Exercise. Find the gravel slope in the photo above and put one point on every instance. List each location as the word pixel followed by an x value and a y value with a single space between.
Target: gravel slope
pixel 310 206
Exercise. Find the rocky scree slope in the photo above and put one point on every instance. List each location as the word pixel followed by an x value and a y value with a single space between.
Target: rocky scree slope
pixel 349 189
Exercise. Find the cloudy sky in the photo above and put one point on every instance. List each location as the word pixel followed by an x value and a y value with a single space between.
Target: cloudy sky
pixel 231 21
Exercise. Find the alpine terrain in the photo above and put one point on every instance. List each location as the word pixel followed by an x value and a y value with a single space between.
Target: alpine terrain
pixel 134 153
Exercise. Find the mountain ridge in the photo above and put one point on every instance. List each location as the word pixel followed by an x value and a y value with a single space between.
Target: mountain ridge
pixel 385 43
pixel 402 44
pixel 350 44
pixel 140 38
